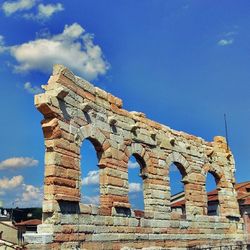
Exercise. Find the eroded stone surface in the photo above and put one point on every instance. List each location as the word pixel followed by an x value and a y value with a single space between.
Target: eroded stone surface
pixel 75 110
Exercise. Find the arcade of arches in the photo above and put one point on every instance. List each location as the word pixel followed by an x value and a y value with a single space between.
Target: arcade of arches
pixel 75 110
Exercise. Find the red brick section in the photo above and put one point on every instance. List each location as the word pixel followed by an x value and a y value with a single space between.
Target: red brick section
pixel 74 110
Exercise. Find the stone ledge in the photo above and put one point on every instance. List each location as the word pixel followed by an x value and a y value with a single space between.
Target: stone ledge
pixel 35 238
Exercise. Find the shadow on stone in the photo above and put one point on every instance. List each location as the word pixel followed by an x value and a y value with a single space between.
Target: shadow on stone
pixel 67 207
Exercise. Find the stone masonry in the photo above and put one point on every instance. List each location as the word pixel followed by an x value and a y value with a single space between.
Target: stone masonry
pixel 74 110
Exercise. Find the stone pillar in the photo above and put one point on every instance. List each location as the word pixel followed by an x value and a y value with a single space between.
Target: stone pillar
pixel 61 155
pixel 194 194
pixel 227 195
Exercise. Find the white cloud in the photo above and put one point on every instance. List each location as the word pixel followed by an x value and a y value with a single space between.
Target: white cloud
pixel 10 7
pixel 30 197
pixel 225 42
pixel 44 12
pixel 18 162
pixel 73 47
pixel 228 38
pixel 230 33
pixel 95 200
pixel 133 164
pixel 134 187
pixel 31 192
pixel 8 184
pixel 32 89
pixel 70 33
pixel 91 179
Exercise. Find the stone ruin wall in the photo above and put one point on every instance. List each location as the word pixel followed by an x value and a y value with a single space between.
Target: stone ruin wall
pixel 75 110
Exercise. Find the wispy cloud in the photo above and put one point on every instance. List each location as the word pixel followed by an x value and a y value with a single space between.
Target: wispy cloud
pixel 230 33
pixel 8 184
pixel 18 162
pixel 73 47
pixel 2 45
pixel 11 7
pixel 31 192
pixel 91 179
pixel 134 187
pixel 95 199
pixel 32 89
pixel 45 12
pixel 225 42
pixel 228 38
pixel 26 196
pixel 133 164
pixel 29 196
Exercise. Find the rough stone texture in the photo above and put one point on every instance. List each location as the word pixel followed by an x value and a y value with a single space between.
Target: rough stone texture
pixel 75 110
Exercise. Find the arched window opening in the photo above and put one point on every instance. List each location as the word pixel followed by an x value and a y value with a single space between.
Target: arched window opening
pixel 212 194
pixel 90 187
pixel 136 166
pixel 177 189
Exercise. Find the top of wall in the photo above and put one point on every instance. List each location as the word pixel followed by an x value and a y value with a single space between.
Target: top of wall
pixel 62 76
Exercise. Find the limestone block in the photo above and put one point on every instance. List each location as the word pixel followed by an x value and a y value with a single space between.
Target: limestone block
pixel 127 237
pixel 105 237
pixel 35 238
pixel 158 194
pixel 99 92
pixel 98 220
pixel 102 105
pixel 120 221
pixel 45 229
pixel 94 209
pixel 147 139
pixel 85 85
pixel 164 143
pixel 184 224
pixel 115 190
pixel 52 158
pixel 138 114
pixel 133 222
pixel 86 106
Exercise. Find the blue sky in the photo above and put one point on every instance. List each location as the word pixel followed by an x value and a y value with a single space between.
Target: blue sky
pixel 183 63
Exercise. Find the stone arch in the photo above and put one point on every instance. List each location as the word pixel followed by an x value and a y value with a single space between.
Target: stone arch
pixel 180 161
pixel 217 173
pixel 184 168
pixel 93 134
pixel 141 154
pixel 136 148
pixel 143 159
pixel 98 139
pixel 90 132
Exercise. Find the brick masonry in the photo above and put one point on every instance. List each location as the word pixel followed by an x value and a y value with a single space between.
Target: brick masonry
pixel 75 110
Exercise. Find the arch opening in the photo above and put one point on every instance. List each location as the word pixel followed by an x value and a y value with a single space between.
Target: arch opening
pixel 90 155
pixel 211 188
pixel 177 188
pixel 136 168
